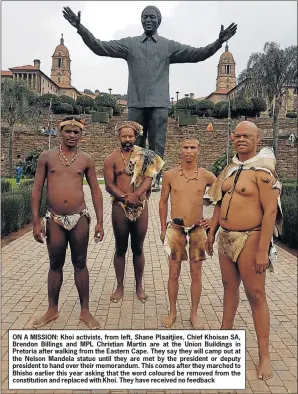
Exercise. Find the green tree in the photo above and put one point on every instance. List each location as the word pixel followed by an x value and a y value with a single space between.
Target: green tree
pixel 105 100
pixel 45 99
pixel 67 99
pixel 203 108
pixel 224 109
pixel 85 102
pixel 15 108
pixel 118 110
pixel 63 108
pixel 241 107
pixel 30 164
pixel 216 109
pixel 269 74
pixel 186 103
pixel 259 105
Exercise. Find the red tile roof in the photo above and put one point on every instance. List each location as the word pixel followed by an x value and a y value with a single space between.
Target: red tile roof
pixel 6 73
pixel 222 91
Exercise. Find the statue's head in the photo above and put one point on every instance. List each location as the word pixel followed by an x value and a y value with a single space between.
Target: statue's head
pixel 151 19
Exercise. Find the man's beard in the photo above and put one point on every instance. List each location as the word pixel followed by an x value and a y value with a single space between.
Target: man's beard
pixel 126 146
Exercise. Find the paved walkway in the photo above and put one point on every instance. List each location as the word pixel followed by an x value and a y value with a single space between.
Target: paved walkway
pixel 24 297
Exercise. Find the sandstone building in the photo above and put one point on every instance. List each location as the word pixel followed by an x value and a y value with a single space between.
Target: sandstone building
pixel 39 82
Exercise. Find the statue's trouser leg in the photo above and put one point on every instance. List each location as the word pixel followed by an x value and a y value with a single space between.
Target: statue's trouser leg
pixel 138 115
pixel 157 132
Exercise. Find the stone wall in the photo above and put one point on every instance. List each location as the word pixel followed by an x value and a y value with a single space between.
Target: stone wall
pixel 100 139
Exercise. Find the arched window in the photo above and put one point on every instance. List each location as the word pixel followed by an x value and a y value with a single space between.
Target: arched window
pixel 227 83
pixel 60 62
pixel 228 69
pixel 58 79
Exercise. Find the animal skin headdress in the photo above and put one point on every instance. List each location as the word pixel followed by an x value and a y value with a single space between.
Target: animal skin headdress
pixel 129 123
pixel 71 122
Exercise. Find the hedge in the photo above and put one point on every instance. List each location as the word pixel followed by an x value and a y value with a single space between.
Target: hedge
pixel 289 204
pixel 109 110
pixel 26 183
pixel 101 117
pixel 185 120
pixel 16 208
pixel 179 111
pixel 5 186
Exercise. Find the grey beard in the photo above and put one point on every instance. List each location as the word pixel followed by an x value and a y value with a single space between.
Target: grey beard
pixel 126 147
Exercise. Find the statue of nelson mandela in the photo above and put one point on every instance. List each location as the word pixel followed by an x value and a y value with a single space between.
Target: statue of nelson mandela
pixel 149 57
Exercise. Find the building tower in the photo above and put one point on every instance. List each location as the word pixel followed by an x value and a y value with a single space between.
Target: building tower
pixel 60 72
pixel 226 76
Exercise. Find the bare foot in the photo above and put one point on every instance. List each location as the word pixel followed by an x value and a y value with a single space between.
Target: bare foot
pixel 117 295
pixel 89 320
pixel 265 369
pixel 50 315
pixel 196 322
pixel 168 321
pixel 142 296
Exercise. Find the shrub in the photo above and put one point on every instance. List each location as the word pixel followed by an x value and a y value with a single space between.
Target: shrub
pixel 27 183
pixel 101 117
pixel 45 99
pixel 216 109
pixel 118 110
pixel 219 164
pixel 186 102
pixel 16 209
pixel 224 109
pixel 291 115
pixel 289 206
pixel 109 110
pixel 85 101
pixel 5 186
pixel 186 120
pixel 259 105
pixel 63 108
pixel 77 110
pixel 241 107
pixel 203 108
pixel 179 111
pixel 67 99
pixel 105 100
pixel 31 163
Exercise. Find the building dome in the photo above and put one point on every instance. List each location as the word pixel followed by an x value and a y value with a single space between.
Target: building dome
pixel 226 56
pixel 61 49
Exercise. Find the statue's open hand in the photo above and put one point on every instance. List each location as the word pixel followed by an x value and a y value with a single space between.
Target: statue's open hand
pixel 226 34
pixel 72 18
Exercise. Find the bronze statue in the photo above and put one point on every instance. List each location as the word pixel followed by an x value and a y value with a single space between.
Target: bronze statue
pixel 149 57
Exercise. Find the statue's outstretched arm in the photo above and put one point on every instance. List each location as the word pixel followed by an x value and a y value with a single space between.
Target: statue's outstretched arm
pixel 113 48
pixel 186 54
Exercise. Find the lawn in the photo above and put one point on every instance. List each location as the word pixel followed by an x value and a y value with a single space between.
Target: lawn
pixel 13 182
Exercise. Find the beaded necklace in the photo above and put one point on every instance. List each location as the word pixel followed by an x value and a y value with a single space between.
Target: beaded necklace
pixel 189 179
pixel 68 162
pixel 129 167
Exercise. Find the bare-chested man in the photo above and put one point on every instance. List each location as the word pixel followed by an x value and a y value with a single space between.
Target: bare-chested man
pixel 67 220
pixel 186 185
pixel 129 172
pixel 247 194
